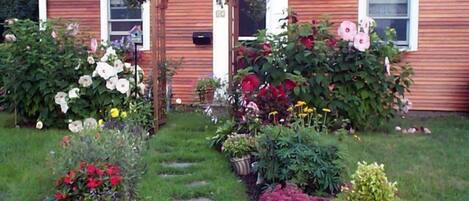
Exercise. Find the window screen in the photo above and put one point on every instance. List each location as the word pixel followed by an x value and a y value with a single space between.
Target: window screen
pixel 252 17
pixel 122 19
pixel 393 14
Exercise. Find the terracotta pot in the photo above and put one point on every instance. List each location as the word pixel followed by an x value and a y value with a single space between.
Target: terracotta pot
pixel 242 165
pixel 207 96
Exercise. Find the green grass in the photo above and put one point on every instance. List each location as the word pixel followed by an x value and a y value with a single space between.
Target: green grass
pixel 434 167
pixel 24 173
pixel 183 140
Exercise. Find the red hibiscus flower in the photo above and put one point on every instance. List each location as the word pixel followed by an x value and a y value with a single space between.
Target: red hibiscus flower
pixel 331 42
pixel 93 183
pixel 60 196
pixel 68 179
pixel 250 83
pixel 289 84
pixel 91 169
pixel 99 172
pixel 113 170
pixel 269 90
pixel 115 180
pixel 241 50
pixel 266 48
pixel 308 42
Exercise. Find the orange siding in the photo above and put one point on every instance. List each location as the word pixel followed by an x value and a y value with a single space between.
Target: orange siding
pixel 442 61
pixel 184 17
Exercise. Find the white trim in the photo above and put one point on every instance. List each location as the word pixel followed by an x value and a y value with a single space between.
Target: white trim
pixel 104 8
pixel 413 35
pixel 221 48
pixel 42 11
pixel 276 10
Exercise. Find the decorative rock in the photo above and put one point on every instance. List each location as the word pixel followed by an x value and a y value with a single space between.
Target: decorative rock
pixel 173 175
pixel 427 131
pixel 398 129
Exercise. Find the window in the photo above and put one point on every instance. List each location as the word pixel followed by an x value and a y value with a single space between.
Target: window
pixel 122 19
pixel 117 19
pixel 252 17
pixel 402 15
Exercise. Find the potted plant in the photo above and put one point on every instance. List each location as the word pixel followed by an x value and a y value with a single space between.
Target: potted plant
pixel 239 149
pixel 206 89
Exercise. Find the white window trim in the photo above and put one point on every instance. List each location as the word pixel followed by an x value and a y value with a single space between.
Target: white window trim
pixel 104 7
pixel 413 24
pixel 42 4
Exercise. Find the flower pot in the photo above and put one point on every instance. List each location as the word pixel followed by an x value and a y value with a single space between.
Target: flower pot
pixel 207 96
pixel 242 165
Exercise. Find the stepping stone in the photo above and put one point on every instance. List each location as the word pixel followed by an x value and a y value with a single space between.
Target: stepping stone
pixel 197 199
pixel 178 165
pixel 196 184
pixel 173 175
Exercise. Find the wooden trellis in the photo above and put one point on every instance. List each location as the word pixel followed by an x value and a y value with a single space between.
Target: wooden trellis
pixel 158 58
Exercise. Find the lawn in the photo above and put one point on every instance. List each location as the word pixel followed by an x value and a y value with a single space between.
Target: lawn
pixel 427 168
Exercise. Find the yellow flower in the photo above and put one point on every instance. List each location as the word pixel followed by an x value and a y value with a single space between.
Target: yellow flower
pixel 290 109
pixel 302 115
pixel 326 110
pixel 300 103
pixel 101 122
pixel 308 110
pixel 114 112
pixel 123 115
pixel 273 113
pixel 357 138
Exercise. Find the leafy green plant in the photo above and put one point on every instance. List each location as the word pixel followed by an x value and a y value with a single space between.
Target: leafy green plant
pixel 238 146
pixel 370 183
pixel 354 80
pixel 298 157
pixel 37 65
pixel 221 134
pixel 209 83
pixel 122 148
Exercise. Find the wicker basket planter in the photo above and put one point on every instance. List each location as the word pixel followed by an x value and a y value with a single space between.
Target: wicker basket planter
pixel 242 165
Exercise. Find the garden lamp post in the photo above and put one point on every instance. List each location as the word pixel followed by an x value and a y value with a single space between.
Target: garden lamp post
pixel 136 37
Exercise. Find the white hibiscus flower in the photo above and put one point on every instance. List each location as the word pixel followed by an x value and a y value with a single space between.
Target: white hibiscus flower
pixel 91 60
pixel 104 58
pixel 75 126
pixel 123 86
pixel 127 66
pixel 74 93
pixel 142 87
pixel 105 70
pixel 90 123
pixel 39 125
pixel 64 107
pixel 110 51
pixel 85 81
pixel 10 38
pixel 118 66
pixel 111 83
pixel 60 98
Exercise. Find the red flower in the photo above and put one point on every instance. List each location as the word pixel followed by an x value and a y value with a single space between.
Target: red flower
pixel 115 180
pixel 93 183
pixel 250 83
pixel 267 48
pixel 68 179
pixel 276 92
pixel 99 172
pixel 113 170
pixel 60 196
pixel 83 164
pixel 308 42
pixel 289 84
pixel 241 51
pixel 91 169
pixel 331 42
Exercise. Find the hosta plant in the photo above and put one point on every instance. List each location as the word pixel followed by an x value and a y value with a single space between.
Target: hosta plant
pixel 238 146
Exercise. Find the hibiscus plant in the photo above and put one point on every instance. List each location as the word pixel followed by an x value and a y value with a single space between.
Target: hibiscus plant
pixel 348 74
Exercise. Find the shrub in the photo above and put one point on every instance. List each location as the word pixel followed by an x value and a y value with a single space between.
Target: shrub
pixel 370 183
pixel 207 83
pixel 91 181
pixel 298 156
pixel 221 134
pixel 310 64
pixel 238 146
pixel 121 148
pixel 38 65
pixel 287 193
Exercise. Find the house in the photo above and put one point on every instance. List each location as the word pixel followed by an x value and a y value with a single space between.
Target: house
pixel 434 34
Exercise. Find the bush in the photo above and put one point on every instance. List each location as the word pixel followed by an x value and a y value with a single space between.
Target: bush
pixel 37 66
pixel 238 146
pixel 119 148
pixel 298 157
pixel 91 181
pixel 370 183
pixel 310 64
pixel 221 134
pixel 287 193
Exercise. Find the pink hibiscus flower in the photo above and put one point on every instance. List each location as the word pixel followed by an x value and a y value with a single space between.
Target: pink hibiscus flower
pixel 347 30
pixel 94 45
pixel 366 24
pixel 362 41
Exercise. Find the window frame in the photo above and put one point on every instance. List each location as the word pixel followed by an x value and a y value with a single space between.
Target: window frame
pixel 106 20
pixel 412 26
